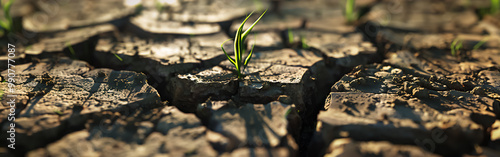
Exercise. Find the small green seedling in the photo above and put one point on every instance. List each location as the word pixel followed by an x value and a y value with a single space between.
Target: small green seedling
pixel 291 40
pixel 58 112
pixel 456 45
pixel 1 94
pixel 481 43
pixel 239 49
pixel 70 48
pixel 350 15
pixel 495 6
pixel 290 36
pixel 303 41
pixel 288 112
pixel 159 6
pixel 6 23
pixel 118 57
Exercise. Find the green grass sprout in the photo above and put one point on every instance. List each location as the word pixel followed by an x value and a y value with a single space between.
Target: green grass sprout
pixel 290 36
pixel 239 47
pixel 481 43
pixel 303 41
pixel 58 112
pixel 159 6
pixel 119 58
pixel 70 48
pixel 495 6
pixel 6 24
pixel 288 112
pixel 28 47
pixel 1 94
pixel 456 45
pixel 350 15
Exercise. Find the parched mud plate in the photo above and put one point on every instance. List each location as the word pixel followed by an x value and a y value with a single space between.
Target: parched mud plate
pixel 174 133
pixel 57 42
pixel 407 100
pixel 61 15
pixel 269 22
pixel 162 56
pixel 422 16
pixel 171 133
pixel 55 96
pixel 151 21
pixel 212 10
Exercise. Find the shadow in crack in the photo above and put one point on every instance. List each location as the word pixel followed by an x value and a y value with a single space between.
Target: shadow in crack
pixel 253 127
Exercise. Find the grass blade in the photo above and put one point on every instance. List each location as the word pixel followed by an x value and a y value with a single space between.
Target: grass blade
pixel 70 48
pixel 119 58
pixel 349 10
pixel 249 57
pixel 481 43
pixel 228 57
pixel 495 6
pixel 453 47
pixel 251 27
pixel 238 48
pixel 7 25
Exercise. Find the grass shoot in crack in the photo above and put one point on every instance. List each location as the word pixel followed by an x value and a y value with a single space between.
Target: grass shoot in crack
pixel 350 14
pixel 495 6
pixel 71 50
pixel 455 47
pixel 480 43
pixel 239 47
pixel 304 43
pixel 6 22
pixel 118 57
pixel 290 36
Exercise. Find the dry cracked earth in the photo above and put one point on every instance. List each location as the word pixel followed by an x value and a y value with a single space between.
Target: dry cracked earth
pixel 110 78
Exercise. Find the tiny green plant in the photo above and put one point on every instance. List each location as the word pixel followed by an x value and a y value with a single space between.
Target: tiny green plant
pixel 288 112
pixel 290 36
pixel 304 43
pixel 456 45
pixel 480 43
pixel 70 48
pixel 6 23
pixel 159 6
pixel 495 6
pixel 350 15
pixel 58 112
pixel 118 57
pixel 1 94
pixel 239 47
